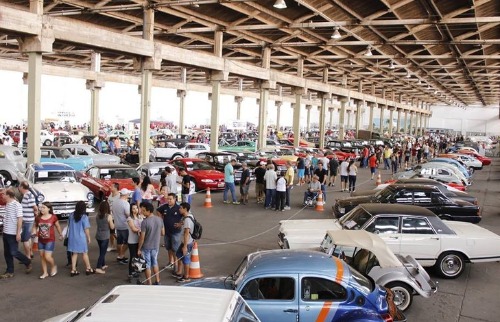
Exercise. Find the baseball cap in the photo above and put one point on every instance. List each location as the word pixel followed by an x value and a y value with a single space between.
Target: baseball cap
pixel 125 191
pixel 262 163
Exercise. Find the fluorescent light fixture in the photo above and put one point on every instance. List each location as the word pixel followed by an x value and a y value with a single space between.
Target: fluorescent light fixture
pixel 280 4
pixel 391 66
pixel 368 52
pixel 336 33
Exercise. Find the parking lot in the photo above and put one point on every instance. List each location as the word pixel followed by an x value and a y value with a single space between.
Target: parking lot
pixel 232 231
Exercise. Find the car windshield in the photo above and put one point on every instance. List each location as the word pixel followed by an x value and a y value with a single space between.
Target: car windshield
pixel 384 194
pixel 118 173
pixel 198 165
pixel 355 219
pixel 53 176
pixel 94 150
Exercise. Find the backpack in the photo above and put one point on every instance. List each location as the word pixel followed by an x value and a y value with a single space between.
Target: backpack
pixel 198 229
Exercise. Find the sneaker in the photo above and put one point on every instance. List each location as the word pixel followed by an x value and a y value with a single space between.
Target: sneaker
pixel 236 203
pixel 156 283
pixel 28 269
pixel 287 208
pixel 178 276
pixel 124 261
pixel 183 280
pixel 6 275
pixel 226 202
pixel 119 259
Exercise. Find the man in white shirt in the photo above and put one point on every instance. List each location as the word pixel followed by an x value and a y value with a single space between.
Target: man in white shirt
pixel 270 177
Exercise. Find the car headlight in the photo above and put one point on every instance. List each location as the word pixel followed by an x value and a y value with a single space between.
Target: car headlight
pixel 90 196
pixel 207 180
pixel 41 198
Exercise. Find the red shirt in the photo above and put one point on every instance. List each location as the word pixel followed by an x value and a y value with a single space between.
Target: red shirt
pixel 46 232
pixel 372 162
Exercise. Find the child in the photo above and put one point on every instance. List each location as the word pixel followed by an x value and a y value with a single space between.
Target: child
pixel 280 192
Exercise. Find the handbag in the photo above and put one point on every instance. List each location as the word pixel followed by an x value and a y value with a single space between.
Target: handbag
pixel 65 234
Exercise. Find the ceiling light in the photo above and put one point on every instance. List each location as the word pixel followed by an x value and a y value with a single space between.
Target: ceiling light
pixel 280 4
pixel 391 66
pixel 408 75
pixel 419 82
pixel 336 33
pixel 368 52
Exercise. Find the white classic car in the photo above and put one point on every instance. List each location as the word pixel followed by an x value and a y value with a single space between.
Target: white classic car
pixel 408 230
pixel 369 255
pixel 90 151
pixel 12 163
pixel 57 184
pixel 170 151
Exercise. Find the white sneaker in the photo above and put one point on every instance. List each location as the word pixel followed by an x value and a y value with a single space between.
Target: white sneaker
pixel 287 208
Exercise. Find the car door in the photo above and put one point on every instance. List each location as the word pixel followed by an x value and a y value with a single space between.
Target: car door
pixel 273 297
pixel 387 227
pixel 419 240
pixel 320 298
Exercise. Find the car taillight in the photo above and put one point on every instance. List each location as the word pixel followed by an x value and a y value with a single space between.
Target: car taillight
pixel 386 317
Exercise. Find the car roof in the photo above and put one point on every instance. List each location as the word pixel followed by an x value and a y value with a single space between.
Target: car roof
pixel 190 159
pixel 287 260
pixel 368 241
pixel 112 166
pixel 412 186
pixel 396 209
pixel 425 181
pixel 51 166
pixel 155 165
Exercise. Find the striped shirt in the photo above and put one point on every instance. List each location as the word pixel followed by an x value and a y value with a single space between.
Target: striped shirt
pixel 13 210
pixel 28 203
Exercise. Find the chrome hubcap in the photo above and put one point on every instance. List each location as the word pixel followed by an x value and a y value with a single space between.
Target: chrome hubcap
pixel 451 265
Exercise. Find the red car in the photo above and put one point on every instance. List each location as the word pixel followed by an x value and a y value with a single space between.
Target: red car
pixel 203 174
pixel 484 160
pixel 99 178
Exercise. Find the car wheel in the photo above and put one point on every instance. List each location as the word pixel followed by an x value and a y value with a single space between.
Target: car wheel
pixel 471 170
pixel 47 142
pixel 450 265
pixel 6 176
pixel 177 156
pixel 403 294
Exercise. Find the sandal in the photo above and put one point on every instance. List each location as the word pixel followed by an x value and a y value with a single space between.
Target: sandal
pixel 74 273
pixel 90 271
pixel 43 276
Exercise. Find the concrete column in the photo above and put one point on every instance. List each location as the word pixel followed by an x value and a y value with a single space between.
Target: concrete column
pixel 296 116
pixel 406 122
pixel 322 113
pixel 348 125
pixel 278 105
pixel 382 109
pixel 359 106
pixel 410 131
pixel 391 118
pixel 214 120
pixel 398 122
pixel 238 100
pixel 263 104
pixel 331 110
pixel 370 122
pixel 94 87
pixel 420 124
pixel 181 94
pixel 308 125
pixel 343 103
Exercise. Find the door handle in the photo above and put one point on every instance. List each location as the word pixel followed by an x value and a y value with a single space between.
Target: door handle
pixel 393 237
pixel 435 238
pixel 291 311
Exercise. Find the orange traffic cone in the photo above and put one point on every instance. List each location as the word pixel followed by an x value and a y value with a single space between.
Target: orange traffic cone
pixel 208 199
pixel 194 268
pixel 379 179
pixel 319 203
pixel 34 247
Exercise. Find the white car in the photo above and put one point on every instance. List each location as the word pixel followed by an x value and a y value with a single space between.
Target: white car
pixel 12 163
pixel 154 170
pixel 471 162
pixel 46 138
pixel 90 151
pixel 172 152
pixel 57 184
pixel 408 230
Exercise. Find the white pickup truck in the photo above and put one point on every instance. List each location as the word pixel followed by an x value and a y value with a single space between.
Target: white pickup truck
pixel 171 152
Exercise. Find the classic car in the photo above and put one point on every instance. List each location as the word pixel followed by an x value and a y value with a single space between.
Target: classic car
pixel 442 175
pixel 408 230
pixel 344 146
pixel 90 151
pixel 369 254
pixel 471 162
pixel 57 184
pixel 154 170
pixel 251 158
pixel 428 197
pixel 99 178
pixel 12 163
pixel 299 285
pixel 240 146
pixel 63 155
pixel 285 153
pixel 484 160
pixel 219 161
pixel 202 173
pixel 172 152
pixel 429 166
pixel 448 191
pixel 458 164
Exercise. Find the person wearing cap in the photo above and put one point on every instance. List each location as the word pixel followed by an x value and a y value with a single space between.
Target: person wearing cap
pixel 121 212
pixel 229 182
pixel 260 187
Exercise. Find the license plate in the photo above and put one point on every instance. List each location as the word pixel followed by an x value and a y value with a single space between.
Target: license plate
pixel 220 185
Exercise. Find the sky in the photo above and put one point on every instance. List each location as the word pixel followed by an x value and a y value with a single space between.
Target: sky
pixel 120 103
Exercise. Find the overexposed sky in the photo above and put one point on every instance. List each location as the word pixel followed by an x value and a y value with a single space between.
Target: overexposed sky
pixel 120 103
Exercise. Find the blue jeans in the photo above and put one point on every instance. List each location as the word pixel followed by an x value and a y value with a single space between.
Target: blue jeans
pixel 229 186
pixel 323 189
pixel 270 198
pixel 10 251
pixel 103 248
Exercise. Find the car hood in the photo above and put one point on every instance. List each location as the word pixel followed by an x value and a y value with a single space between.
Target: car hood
pixel 364 193
pixel 468 230
pixel 102 159
pixel 62 191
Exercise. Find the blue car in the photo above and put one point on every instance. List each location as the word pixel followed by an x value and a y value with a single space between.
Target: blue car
pixel 454 162
pixel 62 155
pixel 301 285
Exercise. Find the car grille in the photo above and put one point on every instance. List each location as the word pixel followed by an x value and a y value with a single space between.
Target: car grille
pixel 62 208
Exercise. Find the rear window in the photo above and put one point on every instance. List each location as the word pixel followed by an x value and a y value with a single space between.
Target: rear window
pixel 355 219
pixel 17 153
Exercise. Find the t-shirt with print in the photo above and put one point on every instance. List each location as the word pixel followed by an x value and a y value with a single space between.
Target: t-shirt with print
pixel 188 223
pixel 281 184
pixel 121 211
pixel 28 202
pixel 46 232
pixel 151 227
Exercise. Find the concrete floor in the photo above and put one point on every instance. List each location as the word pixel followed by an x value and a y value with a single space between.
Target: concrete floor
pixel 230 232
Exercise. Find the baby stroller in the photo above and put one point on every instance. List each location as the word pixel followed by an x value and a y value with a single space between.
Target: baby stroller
pixel 139 266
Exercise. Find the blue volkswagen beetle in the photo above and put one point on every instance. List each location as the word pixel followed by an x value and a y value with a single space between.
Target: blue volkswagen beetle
pixel 299 285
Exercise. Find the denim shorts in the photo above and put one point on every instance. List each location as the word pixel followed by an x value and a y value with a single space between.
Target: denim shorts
pixel 26 231
pixel 151 257
pixel 344 179
pixel 48 247
pixel 186 260
pixel 301 173
pixel 121 236
pixel 173 242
